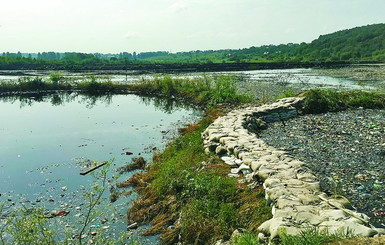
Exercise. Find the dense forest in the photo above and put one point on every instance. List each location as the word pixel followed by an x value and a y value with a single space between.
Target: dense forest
pixel 360 44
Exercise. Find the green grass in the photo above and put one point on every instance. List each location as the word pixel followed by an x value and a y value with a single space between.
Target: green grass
pixel 320 101
pixel 312 236
pixel 245 239
pixel 309 236
pixel 204 90
pixel 199 199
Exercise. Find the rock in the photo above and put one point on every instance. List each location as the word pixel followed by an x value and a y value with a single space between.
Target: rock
pixel 333 214
pixel 344 226
pixel 265 226
pixel 340 201
pixel 238 161
pixel 233 175
pixel 234 170
pixel 64 188
pixel 235 234
pixel 309 218
pixel 221 150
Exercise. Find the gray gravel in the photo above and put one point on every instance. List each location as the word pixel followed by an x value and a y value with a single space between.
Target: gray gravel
pixel 346 150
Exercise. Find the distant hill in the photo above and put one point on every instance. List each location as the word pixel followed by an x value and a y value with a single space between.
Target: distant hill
pixel 360 44
pixel 357 44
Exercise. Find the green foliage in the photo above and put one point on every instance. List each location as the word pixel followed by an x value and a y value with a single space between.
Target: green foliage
pixel 365 43
pixel 290 92
pixel 27 227
pixel 319 101
pixel 312 237
pixel 245 239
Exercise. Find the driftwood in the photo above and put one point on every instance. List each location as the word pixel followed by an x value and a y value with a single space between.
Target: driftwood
pixel 93 168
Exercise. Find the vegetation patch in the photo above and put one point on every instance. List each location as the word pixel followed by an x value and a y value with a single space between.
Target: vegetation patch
pixel 57 82
pixel 205 90
pixel 186 194
pixel 328 100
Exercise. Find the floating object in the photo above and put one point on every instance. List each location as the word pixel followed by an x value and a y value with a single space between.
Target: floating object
pixel 93 168
pixel 132 226
pixel 62 213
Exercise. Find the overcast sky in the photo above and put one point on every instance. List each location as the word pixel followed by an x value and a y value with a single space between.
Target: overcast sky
pixel 111 26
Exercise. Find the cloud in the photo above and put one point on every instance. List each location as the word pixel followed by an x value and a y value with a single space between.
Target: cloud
pixel 178 7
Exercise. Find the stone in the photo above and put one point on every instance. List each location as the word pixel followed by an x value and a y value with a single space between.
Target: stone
pixel 255 165
pixel 309 218
pixel 233 175
pixel 270 182
pixel 344 227
pixel 225 140
pixel 275 227
pixel 261 237
pixel 283 203
pixel 238 161
pixel 265 226
pixel 340 201
pixel 333 214
pixel 306 177
pixel 220 150
pixel 234 170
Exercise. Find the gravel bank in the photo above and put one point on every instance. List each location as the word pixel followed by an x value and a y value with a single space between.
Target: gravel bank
pixel 346 150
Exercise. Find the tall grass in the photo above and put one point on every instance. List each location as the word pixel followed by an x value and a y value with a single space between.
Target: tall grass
pixel 56 82
pixel 204 90
pixel 25 84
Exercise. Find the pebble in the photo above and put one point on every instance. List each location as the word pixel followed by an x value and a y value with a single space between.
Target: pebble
pixel 348 144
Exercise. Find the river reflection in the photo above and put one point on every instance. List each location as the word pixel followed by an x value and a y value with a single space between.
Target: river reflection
pixel 164 104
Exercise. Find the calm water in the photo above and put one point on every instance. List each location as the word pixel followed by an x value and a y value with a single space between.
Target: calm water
pixel 293 76
pixel 45 142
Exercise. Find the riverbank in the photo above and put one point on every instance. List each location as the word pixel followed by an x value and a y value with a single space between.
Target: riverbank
pixel 186 192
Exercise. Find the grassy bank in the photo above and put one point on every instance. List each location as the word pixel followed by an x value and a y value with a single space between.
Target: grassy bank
pixel 187 194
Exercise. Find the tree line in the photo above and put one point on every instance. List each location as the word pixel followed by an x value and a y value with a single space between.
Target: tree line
pixel 360 44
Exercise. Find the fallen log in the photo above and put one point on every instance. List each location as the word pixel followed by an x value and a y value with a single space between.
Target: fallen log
pixel 93 168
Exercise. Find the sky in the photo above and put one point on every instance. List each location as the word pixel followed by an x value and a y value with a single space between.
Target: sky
pixel 113 26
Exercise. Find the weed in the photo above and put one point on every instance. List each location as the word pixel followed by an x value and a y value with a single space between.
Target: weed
pixel 245 239
pixel 312 236
pixel 205 90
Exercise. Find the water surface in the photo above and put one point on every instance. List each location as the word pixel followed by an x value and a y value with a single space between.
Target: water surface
pixel 45 142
